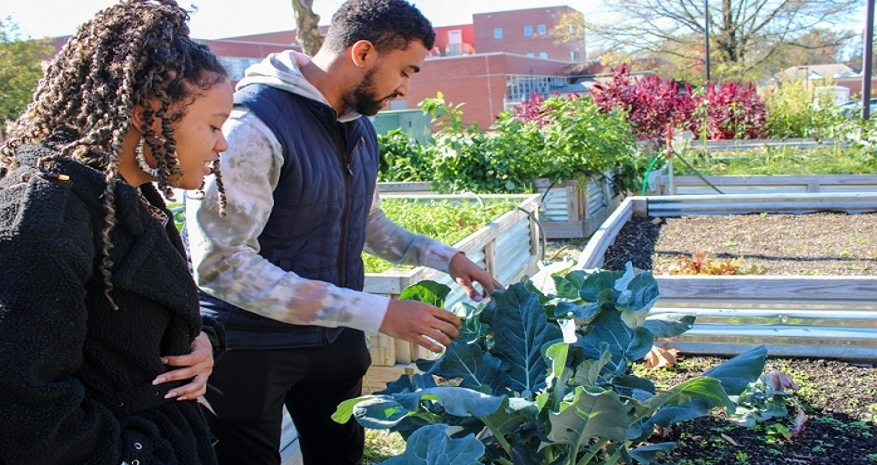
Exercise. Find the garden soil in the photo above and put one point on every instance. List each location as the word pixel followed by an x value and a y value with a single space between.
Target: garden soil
pixel 839 398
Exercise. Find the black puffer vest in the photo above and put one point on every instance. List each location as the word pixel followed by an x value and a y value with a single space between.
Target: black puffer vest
pixel 321 204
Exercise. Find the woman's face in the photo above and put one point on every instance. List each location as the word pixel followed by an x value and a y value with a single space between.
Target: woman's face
pixel 199 133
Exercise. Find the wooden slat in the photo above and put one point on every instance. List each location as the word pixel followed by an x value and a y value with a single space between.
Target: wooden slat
pixel 377 377
pixel 403 352
pixel 405 187
pixel 490 257
pixel 592 256
pixel 787 288
pixel 802 183
pixel 382 349
pixel 563 229
pixel 575 203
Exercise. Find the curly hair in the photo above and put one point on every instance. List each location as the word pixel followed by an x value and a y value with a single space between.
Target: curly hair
pixel 388 24
pixel 136 52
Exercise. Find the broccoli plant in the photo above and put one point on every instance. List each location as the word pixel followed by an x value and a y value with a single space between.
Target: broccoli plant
pixel 542 375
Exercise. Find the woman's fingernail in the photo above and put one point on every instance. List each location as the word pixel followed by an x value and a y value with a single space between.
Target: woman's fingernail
pixel 164 360
pixel 170 395
pixel 158 380
pixel 181 398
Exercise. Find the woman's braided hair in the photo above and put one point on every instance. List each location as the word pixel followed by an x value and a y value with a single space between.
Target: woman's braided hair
pixel 131 51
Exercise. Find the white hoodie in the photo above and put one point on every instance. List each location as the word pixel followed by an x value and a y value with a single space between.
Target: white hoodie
pixel 225 250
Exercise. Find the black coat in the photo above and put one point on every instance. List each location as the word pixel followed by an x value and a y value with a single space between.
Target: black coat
pixel 75 375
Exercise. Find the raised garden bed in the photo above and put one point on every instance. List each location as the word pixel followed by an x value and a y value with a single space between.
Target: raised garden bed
pixel 766 185
pixel 812 316
pixel 567 210
pixel 508 247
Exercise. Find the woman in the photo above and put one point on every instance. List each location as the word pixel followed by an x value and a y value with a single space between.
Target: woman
pixel 102 350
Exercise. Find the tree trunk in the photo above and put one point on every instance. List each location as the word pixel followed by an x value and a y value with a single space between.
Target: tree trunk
pixel 307 26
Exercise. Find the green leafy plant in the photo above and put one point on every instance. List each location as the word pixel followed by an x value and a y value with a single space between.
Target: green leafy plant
pixel 796 110
pixel 403 159
pixel 20 59
pixel 572 139
pixel 770 396
pixel 859 158
pixel 542 375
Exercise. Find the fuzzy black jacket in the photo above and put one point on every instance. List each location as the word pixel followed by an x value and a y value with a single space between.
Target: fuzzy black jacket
pixel 75 375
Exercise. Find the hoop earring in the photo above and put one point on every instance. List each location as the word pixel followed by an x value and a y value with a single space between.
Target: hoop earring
pixel 141 161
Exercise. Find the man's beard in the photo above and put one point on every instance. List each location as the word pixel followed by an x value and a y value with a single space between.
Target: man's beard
pixel 363 99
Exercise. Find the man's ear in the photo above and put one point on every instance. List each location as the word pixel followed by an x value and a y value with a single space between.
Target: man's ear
pixel 363 53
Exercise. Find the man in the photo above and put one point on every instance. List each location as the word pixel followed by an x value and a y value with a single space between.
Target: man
pixel 282 270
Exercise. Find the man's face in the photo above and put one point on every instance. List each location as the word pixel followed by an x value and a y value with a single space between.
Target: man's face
pixel 387 79
pixel 365 98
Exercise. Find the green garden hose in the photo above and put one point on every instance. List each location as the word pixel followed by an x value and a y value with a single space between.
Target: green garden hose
pixel 649 170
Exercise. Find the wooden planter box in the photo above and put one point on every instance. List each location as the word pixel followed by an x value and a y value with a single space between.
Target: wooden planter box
pixel 567 210
pixel 509 248
pixel 805 316
pixel 713 146
pixel 570 211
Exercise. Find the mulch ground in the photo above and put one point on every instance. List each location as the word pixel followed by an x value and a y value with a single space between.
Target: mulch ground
pixel 813 244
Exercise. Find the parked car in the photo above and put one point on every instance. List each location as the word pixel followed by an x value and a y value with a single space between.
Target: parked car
pixel 853 108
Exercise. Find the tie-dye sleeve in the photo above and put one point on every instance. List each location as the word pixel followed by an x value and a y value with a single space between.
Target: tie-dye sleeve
pixel 393 243
pixel 225 250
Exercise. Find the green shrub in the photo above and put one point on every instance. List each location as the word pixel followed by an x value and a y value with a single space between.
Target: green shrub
pixel 573 139
pixel 793 110
pixel 403 159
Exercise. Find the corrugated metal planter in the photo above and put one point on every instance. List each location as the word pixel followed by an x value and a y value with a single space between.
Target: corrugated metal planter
pixel 830 316
pixel 508 247
pixel 570 211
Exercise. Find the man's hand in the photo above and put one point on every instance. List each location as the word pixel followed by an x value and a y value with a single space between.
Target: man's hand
pixel 412 321
pixel 197 364
pixel 465 272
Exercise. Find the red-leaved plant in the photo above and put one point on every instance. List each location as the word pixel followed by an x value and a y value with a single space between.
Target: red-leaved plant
pixel 531 110
pixel 650 102
pixel 731 111
pixel 722 111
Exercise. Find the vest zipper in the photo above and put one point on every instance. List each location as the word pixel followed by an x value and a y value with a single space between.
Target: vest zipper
pixel 346 160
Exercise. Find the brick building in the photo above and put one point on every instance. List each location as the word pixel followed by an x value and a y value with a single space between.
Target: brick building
pixel 495 62
pixel 523 32
pixel 490 65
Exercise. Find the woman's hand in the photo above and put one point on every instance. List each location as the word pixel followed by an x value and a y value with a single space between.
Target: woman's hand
pixel 197 365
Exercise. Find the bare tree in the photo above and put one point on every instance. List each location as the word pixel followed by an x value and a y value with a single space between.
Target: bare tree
pixel 747 37
pixel 307 26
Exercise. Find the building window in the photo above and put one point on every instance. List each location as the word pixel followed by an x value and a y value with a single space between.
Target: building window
pixel 519 88
pixel 543 55
pixel 528 31
pixel 497 33
pixel 531 55
pixel 540 29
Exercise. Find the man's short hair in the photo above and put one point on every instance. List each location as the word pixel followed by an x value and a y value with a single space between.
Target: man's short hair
pixel 388 24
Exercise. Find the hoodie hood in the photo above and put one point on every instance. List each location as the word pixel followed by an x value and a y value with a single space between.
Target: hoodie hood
pixel 282 71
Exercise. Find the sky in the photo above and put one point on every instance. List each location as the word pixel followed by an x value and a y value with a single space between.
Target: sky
pixel 228 18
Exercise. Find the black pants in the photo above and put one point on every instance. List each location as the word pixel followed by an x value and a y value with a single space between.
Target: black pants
pixel 252 385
